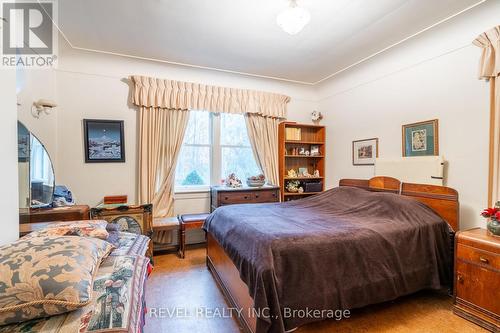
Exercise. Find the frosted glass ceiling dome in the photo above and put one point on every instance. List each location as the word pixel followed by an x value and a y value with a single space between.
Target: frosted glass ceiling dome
pixel 293 19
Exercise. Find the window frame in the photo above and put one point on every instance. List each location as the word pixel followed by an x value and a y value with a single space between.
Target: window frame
pixel 200 188
pixel 215 155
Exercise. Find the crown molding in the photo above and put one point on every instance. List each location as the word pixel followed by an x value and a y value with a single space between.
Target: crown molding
pixel 282 79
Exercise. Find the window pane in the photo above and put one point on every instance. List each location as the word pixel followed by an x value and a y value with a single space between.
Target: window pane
pixel 233 130
pixel 198 130
pixel 240 161
pixel 193 168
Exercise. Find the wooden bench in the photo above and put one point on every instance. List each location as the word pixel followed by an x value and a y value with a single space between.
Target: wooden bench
pixel 160 225
pixel 188 222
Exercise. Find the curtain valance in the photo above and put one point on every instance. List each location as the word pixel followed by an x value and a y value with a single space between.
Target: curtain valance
pixel 178 95
pixel 489 64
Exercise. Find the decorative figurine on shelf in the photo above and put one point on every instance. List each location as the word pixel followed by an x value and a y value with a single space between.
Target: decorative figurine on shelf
pixel 316 117
pixel 307 153
pixel 292 173
pixel 316 174
pixel 233 181
pixel 293 186
pixel 493 216
pixel 301 190
pixel 302 151
pixel 314 150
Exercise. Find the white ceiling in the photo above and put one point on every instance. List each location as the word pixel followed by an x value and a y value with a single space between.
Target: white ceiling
pixel 242 35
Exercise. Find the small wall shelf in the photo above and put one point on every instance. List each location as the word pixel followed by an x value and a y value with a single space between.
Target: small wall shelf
pixel 304 136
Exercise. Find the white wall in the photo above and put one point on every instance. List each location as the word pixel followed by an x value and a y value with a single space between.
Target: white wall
pixel 90 85
pixel 8 151
pixel 431 76
pixel 34 84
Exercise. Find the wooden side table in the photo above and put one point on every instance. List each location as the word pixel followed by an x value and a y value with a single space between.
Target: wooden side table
pixel 188 222
pixel 477 278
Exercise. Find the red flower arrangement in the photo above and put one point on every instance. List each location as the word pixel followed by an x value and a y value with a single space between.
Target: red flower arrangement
pixel 493 216
pixel 493 213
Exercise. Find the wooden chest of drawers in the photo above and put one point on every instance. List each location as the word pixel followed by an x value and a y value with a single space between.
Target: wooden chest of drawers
pixel 68 213
pixel 477 278
pixel 222 195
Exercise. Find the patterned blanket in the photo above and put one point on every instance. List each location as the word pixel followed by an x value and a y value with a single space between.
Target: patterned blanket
pixel 127 243
pixel 118 302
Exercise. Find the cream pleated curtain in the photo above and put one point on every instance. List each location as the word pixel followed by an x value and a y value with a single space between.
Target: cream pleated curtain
pixel 164 113
pixel 177 95
pixel 489 69
pixel 263 135
pixel 161 132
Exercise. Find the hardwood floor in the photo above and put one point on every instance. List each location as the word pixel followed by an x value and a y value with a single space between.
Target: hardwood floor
pixel 182 296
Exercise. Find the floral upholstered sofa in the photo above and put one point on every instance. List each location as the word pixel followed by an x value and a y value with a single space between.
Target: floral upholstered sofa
pixel 111 300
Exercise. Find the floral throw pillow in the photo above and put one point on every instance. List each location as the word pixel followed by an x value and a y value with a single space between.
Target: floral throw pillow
pixel 90 228
pixel 45 276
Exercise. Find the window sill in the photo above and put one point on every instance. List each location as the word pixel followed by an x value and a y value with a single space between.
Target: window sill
pixel 193 189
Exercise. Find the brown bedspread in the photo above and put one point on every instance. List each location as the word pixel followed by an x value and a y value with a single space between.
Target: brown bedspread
pixel 339 250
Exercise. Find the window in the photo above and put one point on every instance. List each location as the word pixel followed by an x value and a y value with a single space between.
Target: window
pixel 215 145
pixel 236 152
pixel 194 164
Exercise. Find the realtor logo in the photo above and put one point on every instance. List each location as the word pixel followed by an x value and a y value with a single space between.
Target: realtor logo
pixel 28 36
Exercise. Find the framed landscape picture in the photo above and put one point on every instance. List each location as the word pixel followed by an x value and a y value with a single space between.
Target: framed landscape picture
pixel 364 152
pixel 421 139
pixel 104 142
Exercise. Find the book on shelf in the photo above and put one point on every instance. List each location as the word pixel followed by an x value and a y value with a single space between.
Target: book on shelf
pixel 293 133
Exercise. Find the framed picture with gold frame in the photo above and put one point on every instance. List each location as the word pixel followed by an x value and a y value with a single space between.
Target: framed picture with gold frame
pixel 421 139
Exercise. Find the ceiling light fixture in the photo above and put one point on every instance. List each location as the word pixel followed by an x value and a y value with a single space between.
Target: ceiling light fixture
pixel 293 19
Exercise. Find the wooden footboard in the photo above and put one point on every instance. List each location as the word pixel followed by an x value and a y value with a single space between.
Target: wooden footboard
pixel 228 278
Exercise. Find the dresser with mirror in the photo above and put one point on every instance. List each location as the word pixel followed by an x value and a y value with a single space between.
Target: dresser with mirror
pixel 37 183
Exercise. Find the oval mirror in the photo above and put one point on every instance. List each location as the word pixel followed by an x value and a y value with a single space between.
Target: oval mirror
pixel 36 172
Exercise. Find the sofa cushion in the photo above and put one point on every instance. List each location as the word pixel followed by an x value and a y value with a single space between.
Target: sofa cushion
pixel 44 276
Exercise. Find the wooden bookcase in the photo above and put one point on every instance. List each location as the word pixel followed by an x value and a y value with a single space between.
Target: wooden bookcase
pixel 310 135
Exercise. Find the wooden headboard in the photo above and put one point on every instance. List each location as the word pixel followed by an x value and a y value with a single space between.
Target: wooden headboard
pixel 443 200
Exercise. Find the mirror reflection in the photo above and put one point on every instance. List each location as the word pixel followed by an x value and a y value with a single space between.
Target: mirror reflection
pixel 36 173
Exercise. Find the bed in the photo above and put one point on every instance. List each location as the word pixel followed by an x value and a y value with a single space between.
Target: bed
pixel 368 241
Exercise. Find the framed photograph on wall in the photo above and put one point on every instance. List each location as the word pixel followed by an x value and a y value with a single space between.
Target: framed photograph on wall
pixel 104 141
pixel 421 139
pixel 364 152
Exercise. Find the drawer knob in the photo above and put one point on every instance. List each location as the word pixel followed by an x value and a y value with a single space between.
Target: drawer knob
pixel 246 196
pixel 460 278
pixel 226 198
pixel 484 260
pixel 256 195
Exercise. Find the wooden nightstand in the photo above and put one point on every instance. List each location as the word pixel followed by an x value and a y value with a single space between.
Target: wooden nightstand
pixel 477 278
